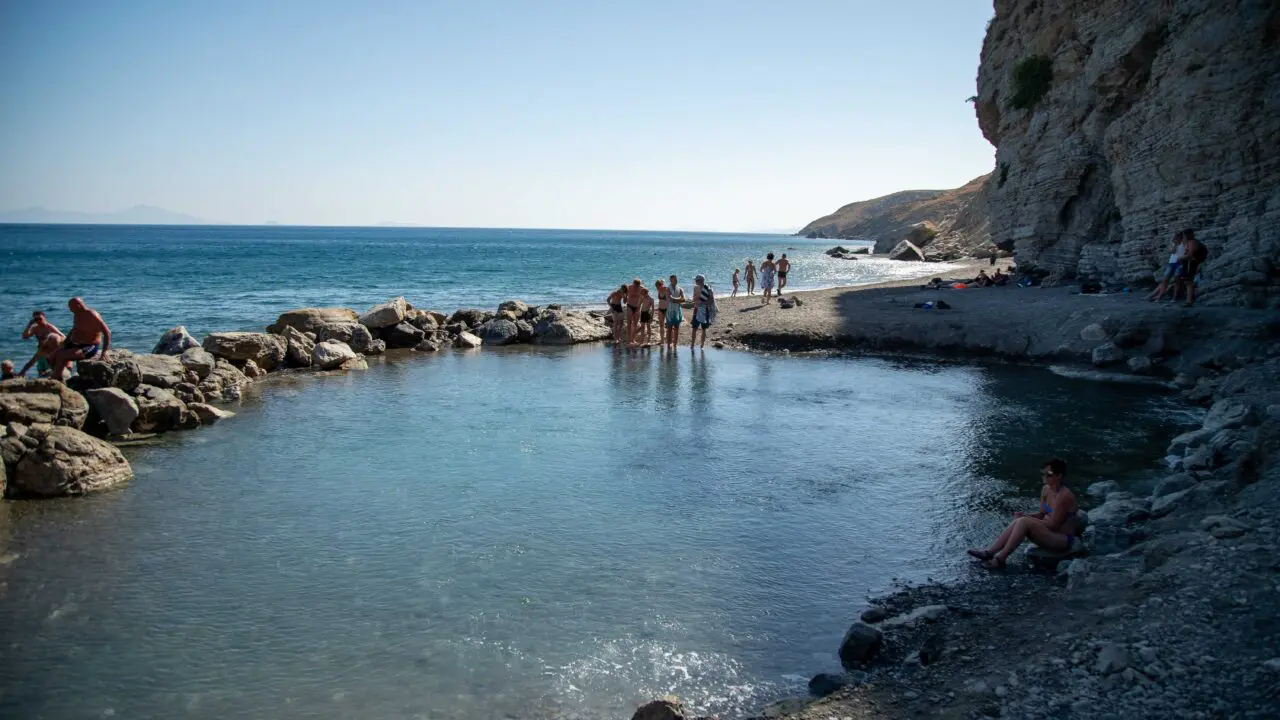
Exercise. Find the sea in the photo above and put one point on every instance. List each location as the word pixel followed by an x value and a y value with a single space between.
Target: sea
pixel 520 532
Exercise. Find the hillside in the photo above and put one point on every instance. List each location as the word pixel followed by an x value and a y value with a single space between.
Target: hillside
pixel 137 215
pixel 958 215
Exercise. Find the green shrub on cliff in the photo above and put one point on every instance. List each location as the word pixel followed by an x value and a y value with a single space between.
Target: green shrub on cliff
pixel 1032 77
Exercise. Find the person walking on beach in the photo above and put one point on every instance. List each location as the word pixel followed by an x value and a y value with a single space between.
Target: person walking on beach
pixel 635 296
pixel 88 332
pixel 675 315
pixel 751 277
pixel 767 270
pixel 735 283
pixel 1054 528
pixel 48 339
pixel 615 300
pixel 1195 255
pixel 1172 269
pixel 704 310
pixel 783 266
pixel 646 316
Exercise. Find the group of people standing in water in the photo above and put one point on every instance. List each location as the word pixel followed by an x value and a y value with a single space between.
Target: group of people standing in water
pixel 633 310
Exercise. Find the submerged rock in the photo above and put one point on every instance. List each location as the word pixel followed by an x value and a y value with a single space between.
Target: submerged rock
pixel 209 414
pixel 41 401
pixel 267 351
pixel 175 341
pixel 64 461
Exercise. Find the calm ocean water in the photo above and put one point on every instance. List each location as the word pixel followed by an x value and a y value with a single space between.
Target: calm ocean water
pixel 145 279
pixel 510 533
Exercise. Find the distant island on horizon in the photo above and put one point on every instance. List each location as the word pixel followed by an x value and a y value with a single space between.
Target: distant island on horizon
pixel 136 215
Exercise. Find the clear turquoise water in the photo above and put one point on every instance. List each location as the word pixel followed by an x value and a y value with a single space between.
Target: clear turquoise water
pixel 530 533
pixel 145 280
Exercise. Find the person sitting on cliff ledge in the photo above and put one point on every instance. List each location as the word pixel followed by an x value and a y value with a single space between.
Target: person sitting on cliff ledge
pixel 1054 528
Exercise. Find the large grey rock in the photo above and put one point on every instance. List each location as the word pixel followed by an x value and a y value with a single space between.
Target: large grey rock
pixel 1173 484
pixel 175 341
pixel 1166 504
pixel 65 461
pixel 1112 658
pixel 199 361
pixel 116 408
pixel 1107 354
pixel 516 307
pixel 330 354
pixel 1102 489
pixel 860 645
pixel 568 328
pixel 467 341
pixel 307 320
pixel 264 349
pixel 1191 439
pixel 41 401
pixel 471 317
pixel 160 370
pixel 119 370
pixel 224 384
pixel 1119 509
pixel 298 347
pixel 1140 364
pixel 387 314
pixel 422 320
pixel 355 335
pixel 402 335
pixel 1149 124
pixel 209 414
pixel 160 410
pixel 499 332
pixel 667 708
pixel 1230 414
pixel 1094 333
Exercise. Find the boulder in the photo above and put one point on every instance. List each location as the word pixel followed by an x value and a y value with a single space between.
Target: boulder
pixel 298 347
pixel 175 341
pixel 116 408
pixel 356 363
pixel 499 332
pixel 1166 504
pixel 1120 509
pixel 431 344
pixel 1140 364
pixel 422 320
pixel 1094 333
pixel 524 331
pixel 467 341
pixel 515 307
pixel 823 684
pixel 667 708
pixel 251 370
pixel 1173 484
pixel 860 644
pixel 1192 439
pixel 329 354
pixel 1229 415
pixel 119 371
pixel 388 314
pixel 355 335
pixel 64 461
pixel 188 393
pixel 307 320
pixel 439 317
pixel 1102 489
pixel 224 383
pixel 264 349
pixel 1223 527
pixel 1107 354
pixel 160 410
pixel 1112 658
pixel 199 361
pixel 376 347
pixel 569 328
pixel 470 317
pixel 160 370
pixel 209 414
pixel 402 335
pixel 41 401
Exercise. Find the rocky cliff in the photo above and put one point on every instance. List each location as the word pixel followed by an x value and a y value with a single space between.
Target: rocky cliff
pixel 956 219
pixel 1118 122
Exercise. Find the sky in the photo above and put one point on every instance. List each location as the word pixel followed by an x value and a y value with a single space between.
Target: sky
pixel 733 115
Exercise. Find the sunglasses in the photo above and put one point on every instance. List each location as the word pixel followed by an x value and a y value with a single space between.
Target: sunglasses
pixel 1048 473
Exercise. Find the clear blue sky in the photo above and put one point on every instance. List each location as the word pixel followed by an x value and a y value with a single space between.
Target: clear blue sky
pixel 730 115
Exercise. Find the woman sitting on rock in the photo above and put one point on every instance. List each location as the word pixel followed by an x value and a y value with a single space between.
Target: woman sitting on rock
pixel 1054 528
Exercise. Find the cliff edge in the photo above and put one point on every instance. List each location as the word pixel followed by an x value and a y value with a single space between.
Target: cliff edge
pixel 1118 122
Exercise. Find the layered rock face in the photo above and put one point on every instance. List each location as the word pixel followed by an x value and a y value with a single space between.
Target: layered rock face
pixel 1158 116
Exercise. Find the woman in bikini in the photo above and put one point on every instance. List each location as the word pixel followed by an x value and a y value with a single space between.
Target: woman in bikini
pixel 1054 528
pixel 635 295
pixel 646 316
pixel 48 339
pixel 615 300
pixel 751 277
pixel 675 316
pixel 735 283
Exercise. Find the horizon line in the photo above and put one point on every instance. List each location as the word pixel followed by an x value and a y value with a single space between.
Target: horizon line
pixel 397 226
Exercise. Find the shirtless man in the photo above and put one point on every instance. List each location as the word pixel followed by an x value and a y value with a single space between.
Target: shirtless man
pixel 783 266
pixel 87 332
pixel 48 339
pixel 751 277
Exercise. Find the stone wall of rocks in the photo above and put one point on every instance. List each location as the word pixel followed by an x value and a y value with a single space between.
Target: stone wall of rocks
pixel 1159 116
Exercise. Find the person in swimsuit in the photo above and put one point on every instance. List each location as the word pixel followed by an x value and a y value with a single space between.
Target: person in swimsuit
pixel 646 316
pixel 704 310
pixel 783 266
pixel 751 277
pixel 635 296
pixel 88 331
pixel 735 283
pixel 615 300
pixel 1171 271
pixel 767 270
pixel 1054 528
pixel 1195 255
pixel 48 339
pixel 675 316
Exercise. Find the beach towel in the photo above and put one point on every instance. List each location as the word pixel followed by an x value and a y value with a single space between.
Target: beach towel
pixel 706 313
